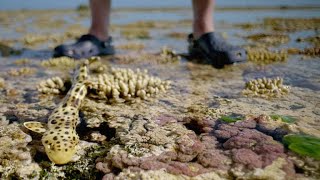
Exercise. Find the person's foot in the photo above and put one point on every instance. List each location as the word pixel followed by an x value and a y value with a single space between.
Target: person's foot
pixel 86 46
pixel 212 48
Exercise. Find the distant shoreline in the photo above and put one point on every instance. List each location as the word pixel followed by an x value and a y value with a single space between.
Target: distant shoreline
pixel 166 9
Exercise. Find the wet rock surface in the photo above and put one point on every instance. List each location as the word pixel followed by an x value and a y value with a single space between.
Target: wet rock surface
pixel 238 147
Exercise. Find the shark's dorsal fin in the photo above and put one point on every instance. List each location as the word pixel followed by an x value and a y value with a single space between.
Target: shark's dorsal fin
pixel 35 126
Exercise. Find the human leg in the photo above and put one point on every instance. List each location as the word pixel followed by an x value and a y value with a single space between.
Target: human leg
pixel 208 45
pixel 97 41
pixel 202 17
pixel 100 18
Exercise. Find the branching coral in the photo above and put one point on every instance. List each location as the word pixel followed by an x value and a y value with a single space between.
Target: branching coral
pixel 125 84
pixel 53 85
pixel 15 157
pixel 263 56
pixel 266 87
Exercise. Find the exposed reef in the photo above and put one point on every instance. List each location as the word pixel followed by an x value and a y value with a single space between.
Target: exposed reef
pixel 25 71
pixel 269 39
pixel 132 46
pixel 279 24
pixel 292 24
pixel 135 34
pixel 165 56
pixel 60 63
pixel 247 148
pixel 314 40
pixel 266 88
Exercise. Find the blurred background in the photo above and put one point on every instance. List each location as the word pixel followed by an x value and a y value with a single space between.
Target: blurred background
pixel 41 4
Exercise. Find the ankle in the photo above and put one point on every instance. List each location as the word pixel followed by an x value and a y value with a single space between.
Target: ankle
pixel 202 28
pixel 101 35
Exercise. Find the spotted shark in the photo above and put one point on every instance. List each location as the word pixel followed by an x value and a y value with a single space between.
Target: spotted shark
pixel 60 138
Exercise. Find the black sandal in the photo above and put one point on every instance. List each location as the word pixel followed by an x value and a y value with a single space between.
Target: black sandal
pixel 85 47
pixel 215 50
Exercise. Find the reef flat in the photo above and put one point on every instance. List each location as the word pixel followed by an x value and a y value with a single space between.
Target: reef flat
pixel 151 112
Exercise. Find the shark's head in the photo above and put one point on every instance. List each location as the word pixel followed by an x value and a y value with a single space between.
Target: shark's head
pixel 60 148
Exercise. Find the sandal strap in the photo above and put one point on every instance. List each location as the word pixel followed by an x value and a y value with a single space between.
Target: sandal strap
pixel 95 40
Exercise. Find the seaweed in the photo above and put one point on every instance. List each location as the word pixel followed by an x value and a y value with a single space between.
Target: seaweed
pixel 283 118
pixel 232 118
pixel 304 145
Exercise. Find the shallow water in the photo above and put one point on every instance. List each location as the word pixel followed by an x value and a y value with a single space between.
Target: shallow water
pixel 192 83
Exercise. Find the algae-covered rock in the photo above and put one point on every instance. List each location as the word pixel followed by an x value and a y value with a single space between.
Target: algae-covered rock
pixel 287 119
pixel 232 118
pixel 304 145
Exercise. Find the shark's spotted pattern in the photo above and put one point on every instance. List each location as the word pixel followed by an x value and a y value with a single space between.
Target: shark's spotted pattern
pixel 59 135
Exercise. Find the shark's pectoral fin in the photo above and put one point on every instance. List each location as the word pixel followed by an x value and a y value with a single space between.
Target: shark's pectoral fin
pixel 35 126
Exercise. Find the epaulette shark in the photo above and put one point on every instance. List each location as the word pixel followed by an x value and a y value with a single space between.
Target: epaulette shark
pixel 59 134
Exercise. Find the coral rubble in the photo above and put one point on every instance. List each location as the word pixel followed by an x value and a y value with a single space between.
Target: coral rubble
pixel 266 87
pixel 15 156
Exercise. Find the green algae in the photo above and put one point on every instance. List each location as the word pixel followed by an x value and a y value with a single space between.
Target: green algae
pixel 283 118
pixel 232 118
pixel 304 145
